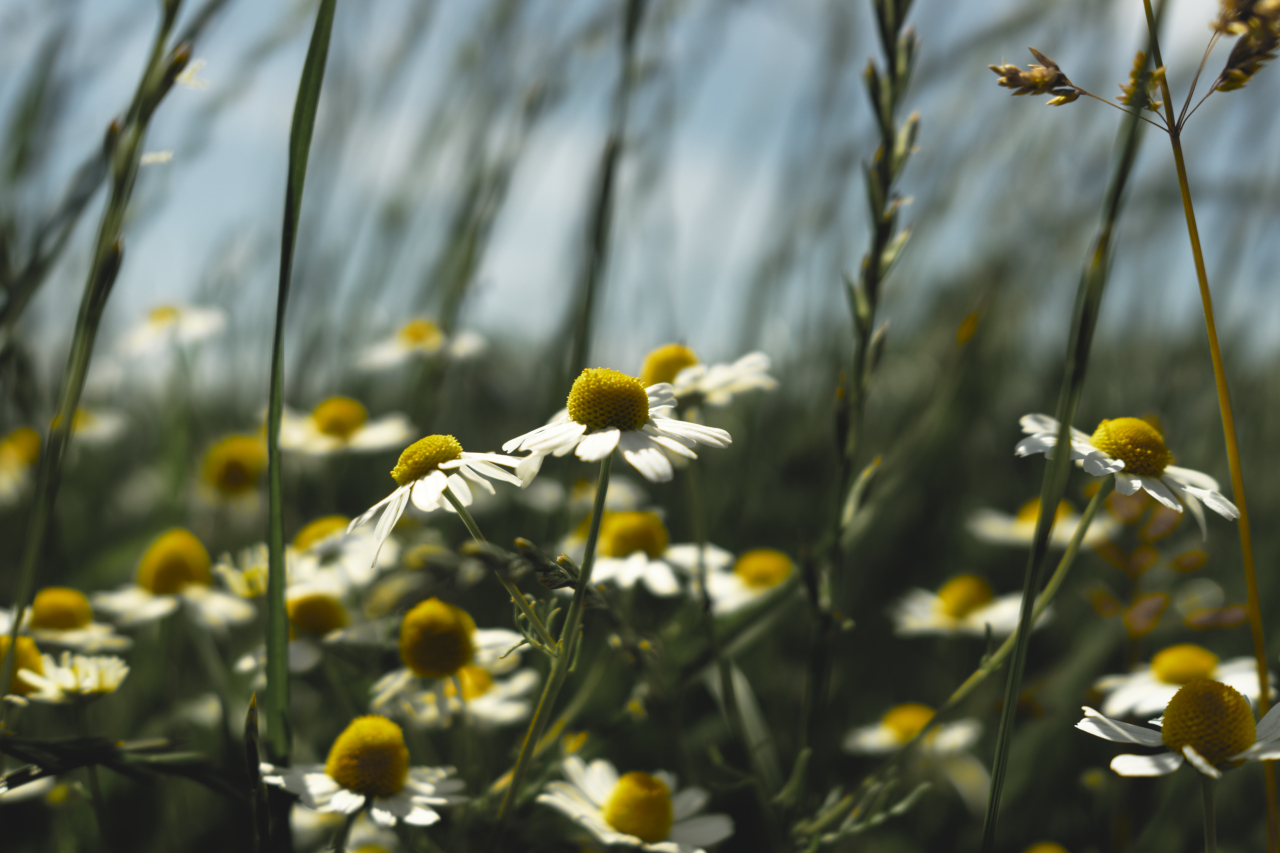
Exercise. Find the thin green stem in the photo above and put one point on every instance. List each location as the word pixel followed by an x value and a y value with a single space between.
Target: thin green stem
pixel 95 786
pixel 1208 785
pixel 344 831
pixel 516 595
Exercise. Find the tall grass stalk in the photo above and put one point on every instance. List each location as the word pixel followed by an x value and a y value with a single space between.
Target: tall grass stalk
pixel 1084 320
pixel 1253 607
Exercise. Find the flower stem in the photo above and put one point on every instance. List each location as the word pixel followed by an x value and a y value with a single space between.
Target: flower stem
pixel 95 787
pixel 565 656
pixel 1208 785
pixel 344 831
pixel 516 595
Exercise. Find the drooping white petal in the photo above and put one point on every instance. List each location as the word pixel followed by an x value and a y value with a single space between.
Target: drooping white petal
pixel 1189 501
pixel 1116 731
pixel 1198 762
pixel 1158 490
pixel 1189 477
pixel 599 444
pixel 1146 765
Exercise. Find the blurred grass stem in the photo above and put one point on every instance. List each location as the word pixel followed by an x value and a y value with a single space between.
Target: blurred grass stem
pixel 95 786
pixel 1208 786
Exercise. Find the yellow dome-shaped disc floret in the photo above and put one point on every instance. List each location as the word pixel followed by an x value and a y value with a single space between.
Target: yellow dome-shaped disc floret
pixel 369 757
pixel 763 568
pixel 1183 663
pixel 436 639
pixel 234 464
pixel 665 363
pixel 317 613
pixel 163 315
pixel 623 533
pixel 640 805
pixel 22 445
pixel 319 530
pixel 964 594
pixel 1030 511
pixel 339 416
pixel 424 456
pixel 422 334
pixel 476 681
pixel 26 656
pixel 60 608
pixel 174 560
pixel 602 398
pixel 1045 847
pixel 906 721
pixel 1212 718
pixel 1136 443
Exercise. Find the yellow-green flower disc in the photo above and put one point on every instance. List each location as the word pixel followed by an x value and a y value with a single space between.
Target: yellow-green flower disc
pixel 163 314
pixel 475 680
pixel 26 656
pixel 234 464
pixel 623 533
pixel 317 613
pixel 1211 717
pixel 421 333
pixel 1136 443
pixel 1183 663
pixel 602 398
pixel 640 805
pixel 1045 847
pixel 763 568
pixel 424 456
pixel 665 363
pixel 174 560
pixel 320 529
pixel 23 444
pixel 1030 511
pixel 964 594
pixel 369 757
pixel 436 639
pixel 60 608
pixel 339 416
pixel 906 721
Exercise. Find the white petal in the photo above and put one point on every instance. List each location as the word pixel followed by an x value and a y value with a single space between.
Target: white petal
pixel 598 445
pixel 427 491
pixel 688 803
pixel 1215 501
pixel 1269 725
pixel 1189 477
pixel 1146 765
pixel 1158 490
pixel 1198 762
pixel 701 831
pixel 1116 731
pixel 652 463
pixel 1189 501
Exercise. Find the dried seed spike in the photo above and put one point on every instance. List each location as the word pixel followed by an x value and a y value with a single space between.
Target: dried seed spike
pixel 1254 49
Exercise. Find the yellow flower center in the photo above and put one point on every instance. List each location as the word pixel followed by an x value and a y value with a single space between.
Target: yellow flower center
pixel 339 417
pixel 234 464
pixel 1212 718
pixel 1030 511
pixel 763 568
pixel 27 656
pixel 475 681
pixel 602 398
pixel 174 560
pixel 906 721
pixel 23 444
pixel 421 333
pixel 640 805
pixel 435 639
pixel 319 530
pixel 665 363
pixel 79 420
pixel 623 533
pixel 59 608
pixel 1183 663
pixel 317 613
pixel 369 757
pixel 163 314
pixel 1045 847
pixel 1136 443
pixel 964 594
pixel 424 456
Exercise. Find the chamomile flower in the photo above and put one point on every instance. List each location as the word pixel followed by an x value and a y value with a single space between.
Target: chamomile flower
pixel 425 469
pixel 368 768
pixel 420 338
pixel 734 584
pixel 632 547
pixel 174 572
pixel 607 410
pixel 341 424
pixel 75 678
pixel 27 660
pixel 326 547
pixel 169 325
pixel 946 749
pixel 487 701
pixel 95 427
pixel 1149 688
pixel 233 467
pixel 712 384
pixel 999 528
pixel 437 640
pixel 19 452
pixel 1134 451
pixel 62 616
pixel 639 810
pixel 965 604
pixel 1206 723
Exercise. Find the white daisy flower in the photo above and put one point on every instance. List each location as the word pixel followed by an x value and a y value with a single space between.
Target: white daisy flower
pixel 75 678
pixel 734 584
pixel 1134 451
pixel 174 572
pixel 95 427
pixel 368 767
pixel 1000 528
pixel 232 468
pixel 947 749
pixel 341 424
pixel 354 558
pixel 714 384
pixel 607 410
pixel 19 453
pixel 1149 688
pixel 631 547
pixel 420 338
pixel 637 809
pixel 1206 723
pixel 62 616
pixel 421 477
pixel 437 640
pixel 169 325
pixel 487 701
pixel 964 605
